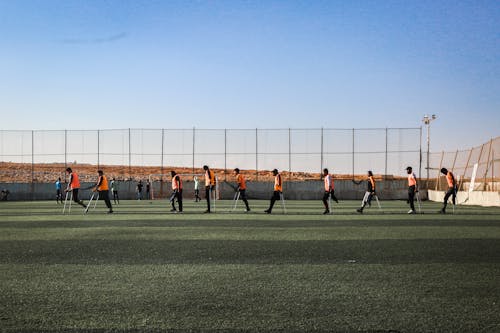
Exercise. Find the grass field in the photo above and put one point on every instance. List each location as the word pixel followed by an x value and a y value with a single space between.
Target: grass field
pixel 144 269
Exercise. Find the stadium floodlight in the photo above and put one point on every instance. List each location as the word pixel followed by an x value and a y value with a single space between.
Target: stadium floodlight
pixel 427 121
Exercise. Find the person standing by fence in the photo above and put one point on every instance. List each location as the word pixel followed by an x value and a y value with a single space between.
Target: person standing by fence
pixel 139 190
pixel 114 189
pixel 59 197
pixel 176 191
pixel 412 189
pixel 196 189
pixel 452 189
pixel 278 190
pixel 209 185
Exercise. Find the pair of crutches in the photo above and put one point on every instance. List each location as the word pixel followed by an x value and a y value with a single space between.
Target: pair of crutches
pixel 365 199
pixel 66 200
pixel 235 199
pixel 96 195
pixel 282 199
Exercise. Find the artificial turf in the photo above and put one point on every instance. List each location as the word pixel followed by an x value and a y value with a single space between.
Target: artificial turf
pixel 145 269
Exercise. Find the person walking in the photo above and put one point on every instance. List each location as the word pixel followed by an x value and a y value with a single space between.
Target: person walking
pixel 196 189
pixel 370 192
pixel 59 197
pixel 209 185
pixel 102 189
pixel 412 189
pixel 114 190
pixel 452 189
pixel 242 186
pixel 277 192
pixel 74 186
pixel 139 190
pixel 176 191
pixel 329 188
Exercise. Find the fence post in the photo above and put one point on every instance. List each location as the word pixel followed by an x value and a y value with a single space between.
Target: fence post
pixel 225 154
pixel 194 145
pixel 289 154
pixel 353 153
pixel 256 154
pixel 386 145
pixel 65 149
pixel 420 162
pixel 322 158
pixel 129 156
pixel 162 152
pixel 439 169
pixel 487 166
pixel 454 162
pixel 32 156
pixel 98 148
pixel 465 168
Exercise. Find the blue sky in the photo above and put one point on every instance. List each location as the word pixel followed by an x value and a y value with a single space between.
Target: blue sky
pixel 246 64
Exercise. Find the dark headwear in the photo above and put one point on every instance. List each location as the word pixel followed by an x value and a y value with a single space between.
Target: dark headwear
pixel 69 169
pixel 444 171
pixel 205 167
pixel 370 173
pixel 237 170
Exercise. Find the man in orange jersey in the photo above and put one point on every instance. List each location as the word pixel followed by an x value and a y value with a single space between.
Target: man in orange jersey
pixel 242 186
pixel 209 185
pixel 412 189
pixel 177 191
pixel 452 189
pixel 102 188
pixel 278 189
pixel 74 186
pixel 370 192
pixel 329 190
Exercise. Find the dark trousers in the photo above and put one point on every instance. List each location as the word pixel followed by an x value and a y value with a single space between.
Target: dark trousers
pixel 59 196
pixel 451 192
pixel 115 197
pixel 411 196
pixel 75 197
pixel 177 194
pixel 197 195
pixel 325 198
pixel 104 195
pixel 243 196
pixel 276 196
pixel 208 193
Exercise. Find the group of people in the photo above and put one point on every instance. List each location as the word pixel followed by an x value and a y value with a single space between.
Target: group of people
pixel 102 187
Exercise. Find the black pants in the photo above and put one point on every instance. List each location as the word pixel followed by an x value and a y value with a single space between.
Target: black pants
pixel 176 194
pixel 59 196
pixel 368 200
pixel 451 192
pixel 276 196
pixel 104 195
pixel 197 195
pixel 243 196
pixel 325 198
pixel 75 197
pixel 411 196
pixel 208 193
pixel 115 197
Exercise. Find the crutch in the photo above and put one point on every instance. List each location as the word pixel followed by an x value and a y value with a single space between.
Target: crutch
pixel 378 203
pixel 282 199
pixel 330 203
pixel 86 210
pixel 235 199
pixel 365 198
pixel 418 203
pixel 66 200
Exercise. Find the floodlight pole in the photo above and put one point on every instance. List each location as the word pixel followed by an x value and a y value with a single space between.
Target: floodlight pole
pixel 427 121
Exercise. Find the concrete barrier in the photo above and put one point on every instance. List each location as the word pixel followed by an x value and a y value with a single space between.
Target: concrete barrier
pixel 476 198
pixel 300 190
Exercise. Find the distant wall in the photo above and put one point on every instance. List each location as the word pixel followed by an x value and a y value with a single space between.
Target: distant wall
pixel 303 190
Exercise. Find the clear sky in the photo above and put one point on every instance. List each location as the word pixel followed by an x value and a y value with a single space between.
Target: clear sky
pixel 246 64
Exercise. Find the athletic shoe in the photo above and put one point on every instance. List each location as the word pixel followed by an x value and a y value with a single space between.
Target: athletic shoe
pixel 442 211
pixel 110 212
pixel 326 212
pixel 173 210
pixel 359 210
pixel 267 211
pixel 207 211
pixel 411 211
pixel 247 210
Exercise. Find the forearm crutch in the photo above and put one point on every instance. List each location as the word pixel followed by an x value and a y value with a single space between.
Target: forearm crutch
pixel 235 199
pixel 282 199
pixel 418 202
pixel 378 203
pixel 85 211
pixel 66 200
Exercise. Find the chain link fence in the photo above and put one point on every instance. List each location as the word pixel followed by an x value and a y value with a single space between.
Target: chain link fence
pixel 348 152
pixel 461 163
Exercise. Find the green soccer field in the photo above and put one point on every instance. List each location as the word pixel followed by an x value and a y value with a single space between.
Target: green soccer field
pixel 144 269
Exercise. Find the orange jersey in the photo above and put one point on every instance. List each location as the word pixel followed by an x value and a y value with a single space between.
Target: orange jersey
pixel 241 182
pixel 278 185
pixel 328 180
pixel 176 183
pixel 209 178
pixel 450 179
pixel 412 180
pixel 74 181
pixel 102 183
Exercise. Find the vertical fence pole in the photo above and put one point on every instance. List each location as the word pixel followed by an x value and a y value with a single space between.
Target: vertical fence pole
pixel 420 161
pixel 353 153
pixel 32 156
pixel 439 169
pixel 98 149
pixel 162 153
pixel 129 155
pixel 289 154
pixel 256 154
pixel 194 146
pixel 454 162
pixel 487 166
pixel 386 145
pixel 322 162
pixel 225 154
pixel 465 168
